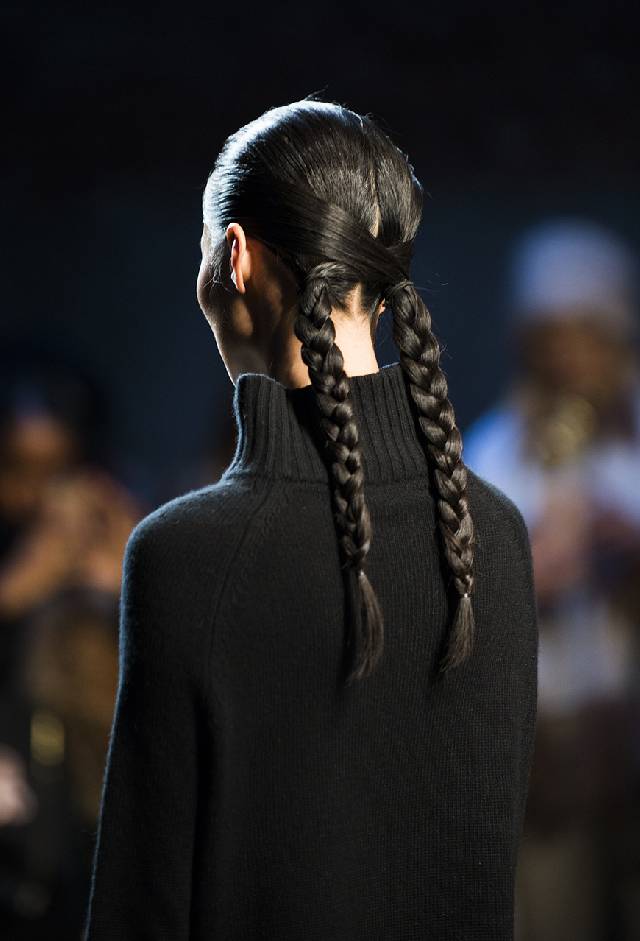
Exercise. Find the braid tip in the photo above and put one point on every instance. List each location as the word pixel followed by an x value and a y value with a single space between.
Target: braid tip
pixel 367 625
pixel 462 635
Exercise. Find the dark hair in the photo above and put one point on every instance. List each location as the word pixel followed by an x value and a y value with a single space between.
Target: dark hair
pixel 328 191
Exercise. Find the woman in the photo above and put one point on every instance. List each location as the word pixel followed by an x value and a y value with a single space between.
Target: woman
pixel 328 678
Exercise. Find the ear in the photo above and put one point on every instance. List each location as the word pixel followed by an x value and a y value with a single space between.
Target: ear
pixel 240 256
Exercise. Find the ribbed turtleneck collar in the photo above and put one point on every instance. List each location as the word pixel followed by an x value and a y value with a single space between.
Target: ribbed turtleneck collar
pixel 278 433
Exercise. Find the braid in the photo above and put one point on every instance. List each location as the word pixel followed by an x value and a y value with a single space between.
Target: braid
pixel 420 360
pixel 338 204
pixel 315 329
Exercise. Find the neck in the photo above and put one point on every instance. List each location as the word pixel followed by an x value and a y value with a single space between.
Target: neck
pixel 275 350
pixel 352 339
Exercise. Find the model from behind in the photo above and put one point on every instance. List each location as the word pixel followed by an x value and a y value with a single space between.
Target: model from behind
pixel 328 675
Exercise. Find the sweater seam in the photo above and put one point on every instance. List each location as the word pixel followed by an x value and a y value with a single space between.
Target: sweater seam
pixel 529 719
pixel 226 580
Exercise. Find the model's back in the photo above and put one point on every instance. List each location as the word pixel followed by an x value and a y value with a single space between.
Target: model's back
pixel 326 711
pixel 250 793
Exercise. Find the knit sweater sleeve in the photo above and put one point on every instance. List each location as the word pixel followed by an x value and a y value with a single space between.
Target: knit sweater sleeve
pixel 141 879
pixel 527 614
pixel 518 597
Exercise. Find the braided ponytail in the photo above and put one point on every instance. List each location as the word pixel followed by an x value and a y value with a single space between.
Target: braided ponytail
pixel 338 204
pixel 320 353
pixel 420 360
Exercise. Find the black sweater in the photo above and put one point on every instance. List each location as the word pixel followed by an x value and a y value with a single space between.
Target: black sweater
pixel 248 795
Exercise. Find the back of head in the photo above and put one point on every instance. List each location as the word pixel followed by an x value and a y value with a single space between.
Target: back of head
pixel 318 183
pixel 339 204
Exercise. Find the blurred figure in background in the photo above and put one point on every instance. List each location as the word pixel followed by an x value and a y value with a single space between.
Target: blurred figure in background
pixel 64 521
pixel 564 444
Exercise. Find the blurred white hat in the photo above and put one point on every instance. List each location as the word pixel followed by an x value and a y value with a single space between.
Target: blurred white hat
pixel 563 266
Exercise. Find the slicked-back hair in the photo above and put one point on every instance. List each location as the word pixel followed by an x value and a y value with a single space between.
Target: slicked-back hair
pixel 339 204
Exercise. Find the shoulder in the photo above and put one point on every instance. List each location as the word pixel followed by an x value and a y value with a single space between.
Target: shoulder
pixel 497 518
pixel 178 558
pixel 178 562
pixel 503 563
pixel 202 520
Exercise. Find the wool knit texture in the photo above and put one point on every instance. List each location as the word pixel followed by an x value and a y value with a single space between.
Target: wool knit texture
pixel 248 793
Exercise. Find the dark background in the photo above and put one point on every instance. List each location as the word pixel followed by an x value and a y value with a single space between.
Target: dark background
pixel 509 113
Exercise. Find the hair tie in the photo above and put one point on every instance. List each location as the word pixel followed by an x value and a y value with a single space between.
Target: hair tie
pixel 391 292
